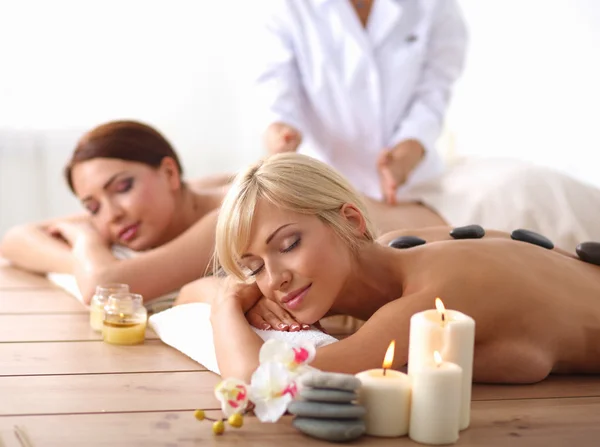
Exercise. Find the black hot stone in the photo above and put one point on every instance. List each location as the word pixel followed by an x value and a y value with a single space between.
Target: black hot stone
pixel 589 252
pixel 406 242
pixel 468 232
pixel 532 238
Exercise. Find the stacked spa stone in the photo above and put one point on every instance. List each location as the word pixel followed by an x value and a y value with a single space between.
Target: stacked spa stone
pixel 324 408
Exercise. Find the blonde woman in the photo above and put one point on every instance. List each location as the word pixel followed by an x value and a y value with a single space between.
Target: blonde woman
pixel 293 230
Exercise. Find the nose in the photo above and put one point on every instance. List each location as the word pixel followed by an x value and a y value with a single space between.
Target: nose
pixel 114 211
pixel 279 278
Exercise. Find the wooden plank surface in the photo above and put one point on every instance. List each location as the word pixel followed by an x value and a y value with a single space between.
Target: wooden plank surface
pixel 548 423
pixel 27 301
pixel 67 388
pixel 60 327
pixel 12 278
pixel 554 386
pixel 534 422
pixel 107 393
pixel 91 357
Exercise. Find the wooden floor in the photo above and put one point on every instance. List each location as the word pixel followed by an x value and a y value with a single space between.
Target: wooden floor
pixel 64 387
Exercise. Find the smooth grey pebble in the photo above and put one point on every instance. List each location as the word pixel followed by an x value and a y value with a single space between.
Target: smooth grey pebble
pixel 323 410
pixel 334 381
pixel 468 232
pixel 336 430
pixel 532 237
pixel 406 242
pixel 589 252
pixel 327 395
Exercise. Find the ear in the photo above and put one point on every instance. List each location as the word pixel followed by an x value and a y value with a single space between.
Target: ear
pixel 169 168
pixel 353 215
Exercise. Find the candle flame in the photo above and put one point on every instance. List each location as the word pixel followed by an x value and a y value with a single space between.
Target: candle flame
pixel 389 355
pixel 437 358
pixel 439 305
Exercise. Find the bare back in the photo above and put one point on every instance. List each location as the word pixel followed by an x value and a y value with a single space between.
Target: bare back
pixel 537 310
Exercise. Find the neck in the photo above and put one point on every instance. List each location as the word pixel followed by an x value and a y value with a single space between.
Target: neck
pixel 375 280
pixel 189 208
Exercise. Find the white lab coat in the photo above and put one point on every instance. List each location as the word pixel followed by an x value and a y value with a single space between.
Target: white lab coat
pixel 351 91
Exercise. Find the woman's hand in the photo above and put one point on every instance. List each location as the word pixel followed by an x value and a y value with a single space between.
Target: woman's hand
pixel 233 292
pixel 74 230
pixel 267 314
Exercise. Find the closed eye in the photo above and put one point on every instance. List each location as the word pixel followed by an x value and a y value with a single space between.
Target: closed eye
pixel 295 244
pixel 291 247
pixel 92 207
pixel 124 185
pixel 257 271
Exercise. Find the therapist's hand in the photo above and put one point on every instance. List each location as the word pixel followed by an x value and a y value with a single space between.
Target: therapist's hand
pixel 280 137
pixel 396 164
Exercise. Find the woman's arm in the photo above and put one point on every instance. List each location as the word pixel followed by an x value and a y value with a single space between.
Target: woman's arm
pixel 366 348
pixel 152 273
pixel 237 345
pixel 32 247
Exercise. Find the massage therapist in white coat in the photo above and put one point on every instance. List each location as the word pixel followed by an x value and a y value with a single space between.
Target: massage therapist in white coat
pixel 362 85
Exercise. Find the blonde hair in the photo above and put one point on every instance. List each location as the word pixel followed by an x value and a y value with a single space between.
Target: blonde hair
pixel 292 182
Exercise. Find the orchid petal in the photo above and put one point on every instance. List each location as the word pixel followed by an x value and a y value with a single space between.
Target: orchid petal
pixel 275 351
pixel 271 410
pixel 272 388
pixel 233 395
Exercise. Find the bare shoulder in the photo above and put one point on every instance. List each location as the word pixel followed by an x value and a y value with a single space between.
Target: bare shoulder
pixel 210 182
pixel 366 347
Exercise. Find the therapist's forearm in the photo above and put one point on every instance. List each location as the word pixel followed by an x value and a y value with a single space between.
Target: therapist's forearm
pixel 236 344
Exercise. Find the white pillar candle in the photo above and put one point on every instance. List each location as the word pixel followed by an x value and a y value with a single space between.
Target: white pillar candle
pixel 385 394
pixel 436 401
pixel 452 333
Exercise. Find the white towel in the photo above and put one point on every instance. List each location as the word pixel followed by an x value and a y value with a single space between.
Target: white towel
pixel 187 328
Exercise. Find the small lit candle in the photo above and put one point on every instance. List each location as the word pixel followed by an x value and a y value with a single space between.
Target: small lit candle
pixel 385 394
pixel 452 333
pixel 99 301
pixel 436 400
pixel 124 319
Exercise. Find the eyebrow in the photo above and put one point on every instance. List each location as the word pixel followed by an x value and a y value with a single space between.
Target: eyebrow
pixel 105 186
pixel 271 236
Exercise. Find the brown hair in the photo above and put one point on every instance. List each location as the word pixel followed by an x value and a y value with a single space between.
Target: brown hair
pixel 125 140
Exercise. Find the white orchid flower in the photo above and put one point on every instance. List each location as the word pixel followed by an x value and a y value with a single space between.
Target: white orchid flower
pixel 295 358
pixel 272 388
pixel 233 395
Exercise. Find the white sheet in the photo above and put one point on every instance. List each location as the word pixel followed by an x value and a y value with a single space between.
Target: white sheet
pixel 505 194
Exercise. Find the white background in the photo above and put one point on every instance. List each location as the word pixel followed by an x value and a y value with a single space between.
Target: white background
pixel 530 88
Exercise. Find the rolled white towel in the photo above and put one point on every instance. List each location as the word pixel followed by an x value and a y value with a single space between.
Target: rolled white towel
pixel 187 328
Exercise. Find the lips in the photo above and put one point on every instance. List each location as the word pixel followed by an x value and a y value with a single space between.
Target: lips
pixel 129 232
pixel 294 299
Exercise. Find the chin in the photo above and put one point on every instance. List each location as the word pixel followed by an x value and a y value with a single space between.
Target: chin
pixel 309 316
pixel 138 244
